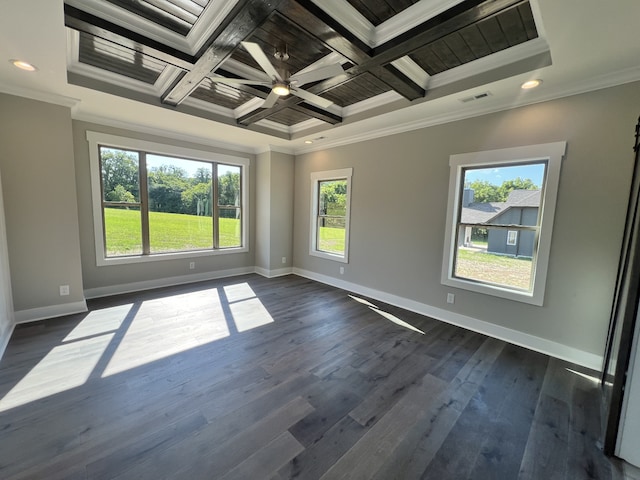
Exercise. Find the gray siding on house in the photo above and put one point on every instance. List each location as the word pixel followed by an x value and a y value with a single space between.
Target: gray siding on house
pixel 497 238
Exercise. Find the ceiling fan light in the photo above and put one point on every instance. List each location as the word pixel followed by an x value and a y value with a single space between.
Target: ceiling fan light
pixel 281 89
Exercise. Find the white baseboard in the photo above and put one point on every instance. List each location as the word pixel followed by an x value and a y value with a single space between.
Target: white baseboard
pixel 50 311
pixel 164 282
pixel 515 337
pixel 279 272
pixel 5 341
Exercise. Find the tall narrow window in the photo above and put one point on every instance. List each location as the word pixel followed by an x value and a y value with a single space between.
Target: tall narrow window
pixel 152 204
pixel 501 208
pixel 330 202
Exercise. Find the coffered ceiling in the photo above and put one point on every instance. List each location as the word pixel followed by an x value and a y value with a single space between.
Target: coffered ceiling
pixel 179 52
pixel 184 65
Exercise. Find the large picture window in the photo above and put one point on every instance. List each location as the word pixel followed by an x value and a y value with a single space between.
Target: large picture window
pixel 501 208
pixel 151 200
pixel 330 208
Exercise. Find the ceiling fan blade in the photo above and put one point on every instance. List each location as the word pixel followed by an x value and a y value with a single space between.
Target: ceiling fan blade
pixel 270 100
pixel 259 56
pixel 312 98
pixel 320 73
pixel 237 81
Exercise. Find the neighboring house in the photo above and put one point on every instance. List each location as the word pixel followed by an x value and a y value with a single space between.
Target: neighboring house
pixel 521 208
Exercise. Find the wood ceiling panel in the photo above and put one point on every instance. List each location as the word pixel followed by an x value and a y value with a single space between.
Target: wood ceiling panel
pixel 289 117
pixel 220 94
pixel 379 11
pixel 108 56
pixel 510 27
pixel 176 15
pixel 360 88
pixel 278 32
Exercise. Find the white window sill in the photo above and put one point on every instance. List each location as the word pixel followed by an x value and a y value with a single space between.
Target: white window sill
pixel 158 257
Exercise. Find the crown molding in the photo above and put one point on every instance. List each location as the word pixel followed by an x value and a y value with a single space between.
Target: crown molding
pixel 47 97
pixel 161 132
pixel 211 18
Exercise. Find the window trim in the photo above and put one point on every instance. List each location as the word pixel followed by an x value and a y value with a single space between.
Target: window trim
pixel 316 178
pixel 553 153
pixel 97 139
pixel 514 234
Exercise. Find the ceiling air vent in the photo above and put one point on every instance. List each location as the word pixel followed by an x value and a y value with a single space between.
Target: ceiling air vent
pixel 473 98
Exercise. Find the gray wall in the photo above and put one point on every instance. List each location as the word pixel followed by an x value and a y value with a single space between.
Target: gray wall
pixel 274 232
pixel 399 250
pixel 36 160
pixel 115 275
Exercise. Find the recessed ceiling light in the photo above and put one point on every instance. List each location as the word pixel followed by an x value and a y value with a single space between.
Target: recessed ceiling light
pixel 308 142
pixel 21 64
pixel 531 84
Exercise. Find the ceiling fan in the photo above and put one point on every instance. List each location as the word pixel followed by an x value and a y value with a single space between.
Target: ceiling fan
pixel 283 85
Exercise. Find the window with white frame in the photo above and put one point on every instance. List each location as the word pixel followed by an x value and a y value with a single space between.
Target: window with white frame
pixel 153 201
pixel 499 220
pixel 330 208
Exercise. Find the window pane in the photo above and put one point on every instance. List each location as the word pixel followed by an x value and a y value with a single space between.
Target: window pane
pixel 331 234
pixel 120 179
pixel 230 226
pixel 485 255
pixel 333 198
pixel 228 185
pixel 180 204
pixel 123 231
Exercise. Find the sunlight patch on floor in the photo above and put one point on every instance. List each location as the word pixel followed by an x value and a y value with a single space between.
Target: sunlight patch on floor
pixel 65 367
pixel 166 326
pixel 246 308
pixel 396 320
pixel 591 378
pixel 387 315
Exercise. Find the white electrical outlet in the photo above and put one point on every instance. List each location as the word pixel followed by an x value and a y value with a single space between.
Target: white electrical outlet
pixel 341 270
pixel 192 265
pixel 284 259
pixel 64 290
pixel 451 298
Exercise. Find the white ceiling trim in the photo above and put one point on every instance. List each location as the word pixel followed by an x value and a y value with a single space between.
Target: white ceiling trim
pixel 117 15
pixel 412 70
pixel 373 102
pixel 40 96
pixel 411 17
pixel 210 19
pixel 350 18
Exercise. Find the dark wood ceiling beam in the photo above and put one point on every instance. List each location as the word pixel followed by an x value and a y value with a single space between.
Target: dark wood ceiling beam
pixel 84 22
pixel 341 40
pixel 461 16
pixel 249 14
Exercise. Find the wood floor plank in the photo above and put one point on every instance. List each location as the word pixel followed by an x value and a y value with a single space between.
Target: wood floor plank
pixel 268 460
pixel 547 448
pixel 375 446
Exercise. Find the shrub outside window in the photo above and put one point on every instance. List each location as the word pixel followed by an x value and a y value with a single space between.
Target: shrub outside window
pixel 500 215
pixel 330 209
pixel 152 201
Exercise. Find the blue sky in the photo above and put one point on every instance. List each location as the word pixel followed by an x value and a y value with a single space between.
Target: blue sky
pixel 497 175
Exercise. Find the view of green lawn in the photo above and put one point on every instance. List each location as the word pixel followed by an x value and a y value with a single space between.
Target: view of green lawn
pixel 497 269
pixel 331 239
pixel 168 232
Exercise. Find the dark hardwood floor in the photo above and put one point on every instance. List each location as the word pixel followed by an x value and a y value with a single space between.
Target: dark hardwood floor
pixel 254 378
